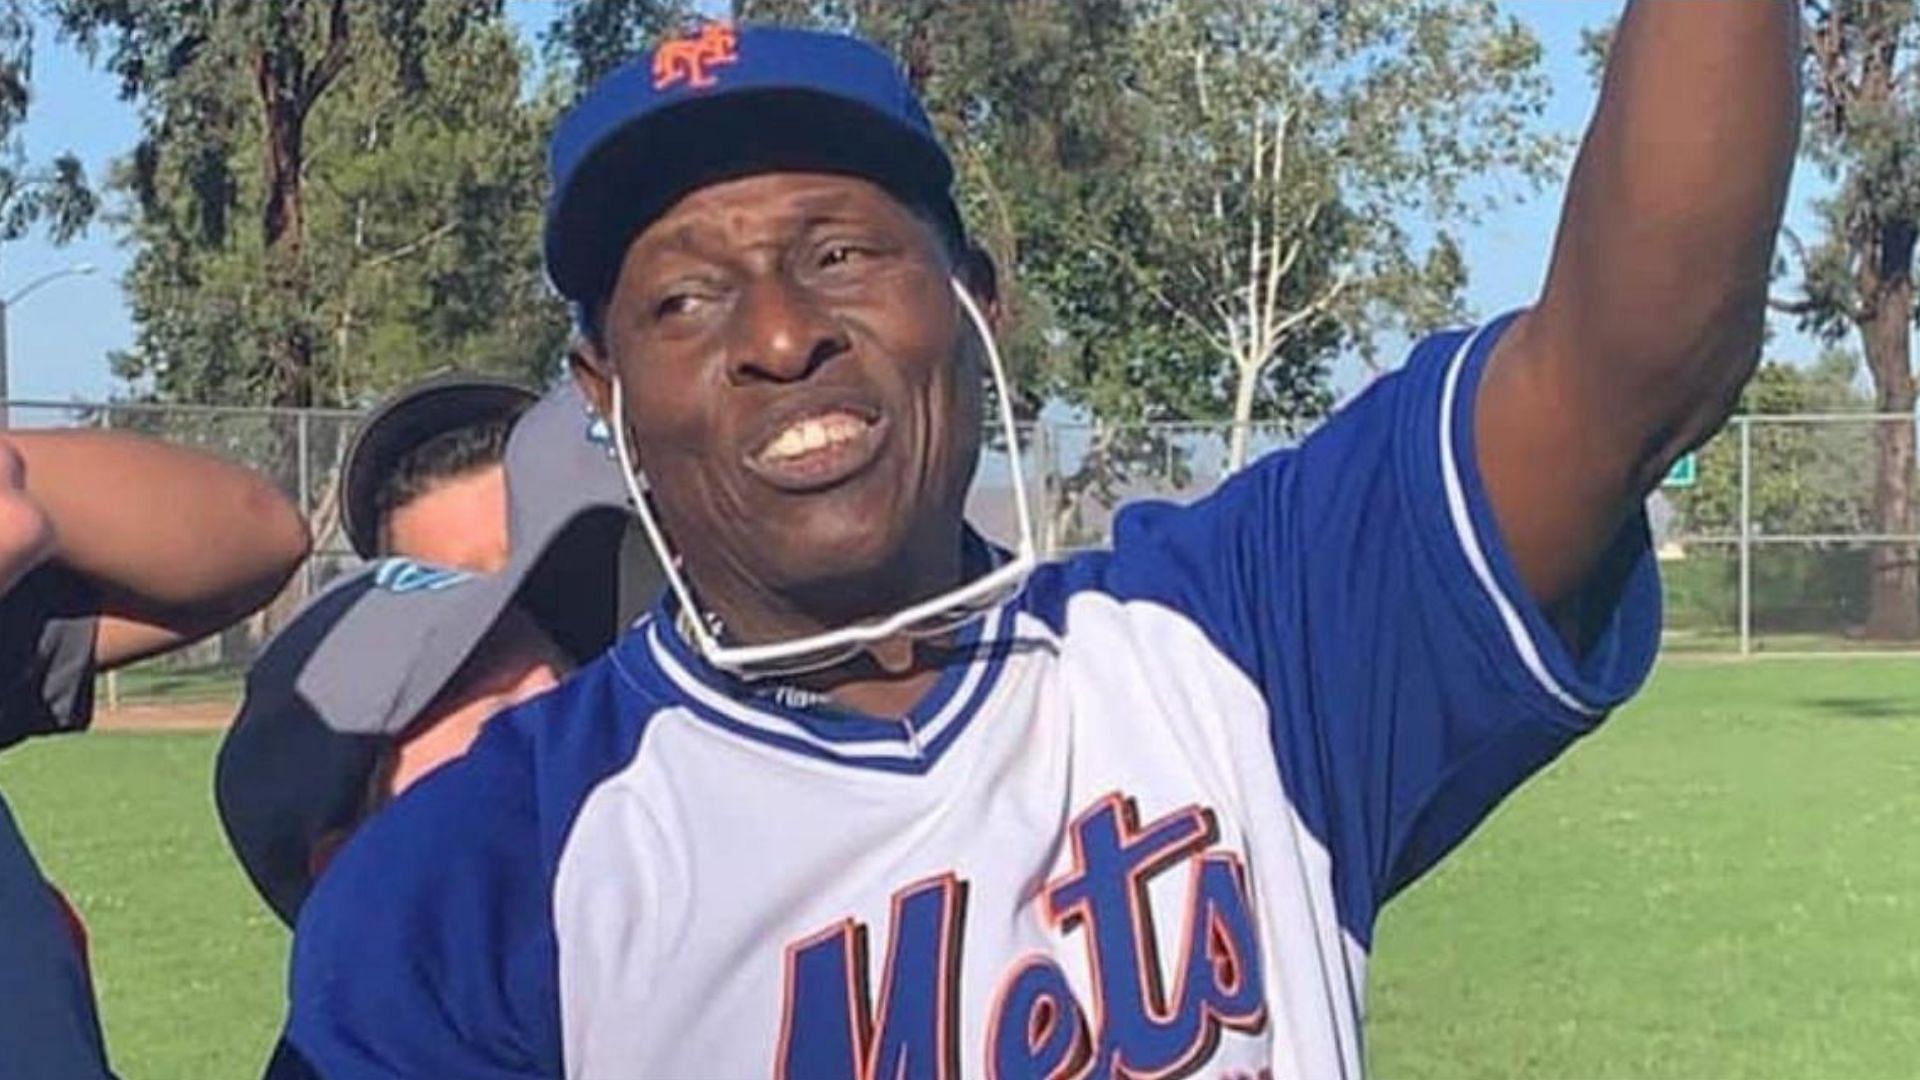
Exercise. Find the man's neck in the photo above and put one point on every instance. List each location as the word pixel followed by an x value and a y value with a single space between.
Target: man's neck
pixel 884 688
pixel 754 612
pixel 887 678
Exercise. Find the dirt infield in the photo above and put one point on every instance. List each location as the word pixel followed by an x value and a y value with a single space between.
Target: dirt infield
pixel 167 716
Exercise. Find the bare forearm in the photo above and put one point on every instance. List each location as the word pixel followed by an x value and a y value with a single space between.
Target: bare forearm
pixel 1653 310
pixel 176 540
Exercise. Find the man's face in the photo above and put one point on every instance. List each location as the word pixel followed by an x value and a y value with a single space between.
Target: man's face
pixel 459 522
pixel 803 388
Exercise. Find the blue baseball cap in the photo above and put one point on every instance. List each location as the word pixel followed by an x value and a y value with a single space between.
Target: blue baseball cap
pixel 720 104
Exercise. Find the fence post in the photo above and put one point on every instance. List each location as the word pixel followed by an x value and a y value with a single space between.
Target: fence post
pixel 306 501
pixel 1042 510
pixel 113 677
pixel 1746 536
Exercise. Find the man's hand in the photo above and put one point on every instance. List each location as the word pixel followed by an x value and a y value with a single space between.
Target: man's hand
pixel 26 533
pixel 1651 319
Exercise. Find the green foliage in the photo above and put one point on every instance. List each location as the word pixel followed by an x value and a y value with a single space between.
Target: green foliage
pixel 589 38
pixel 1807 478
pixel 1278 160
pixel 1815 591
pixel 329 198
pixel 1864 134
pixel 1595 43
pixel 54 194
pixel 1701 593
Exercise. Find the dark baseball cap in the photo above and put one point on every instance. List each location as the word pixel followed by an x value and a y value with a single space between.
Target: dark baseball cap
pixel 360 663
pixel 404 423
pixel 720 104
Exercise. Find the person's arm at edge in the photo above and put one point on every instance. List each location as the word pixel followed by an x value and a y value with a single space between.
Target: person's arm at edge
pixel 1653 310
pixel 177 542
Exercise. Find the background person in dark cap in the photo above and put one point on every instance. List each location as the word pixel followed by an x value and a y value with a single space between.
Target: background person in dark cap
pixel 394 670
pixel 112 548
pixel 423 477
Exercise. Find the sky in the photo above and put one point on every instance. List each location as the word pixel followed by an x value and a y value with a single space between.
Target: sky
pixel 62 334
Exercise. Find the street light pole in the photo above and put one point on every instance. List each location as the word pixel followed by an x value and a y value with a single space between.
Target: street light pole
pixel 6 390
pixel 6 305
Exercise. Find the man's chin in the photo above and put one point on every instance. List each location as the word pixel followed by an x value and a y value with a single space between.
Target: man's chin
pixel 867 567
pixel 853 574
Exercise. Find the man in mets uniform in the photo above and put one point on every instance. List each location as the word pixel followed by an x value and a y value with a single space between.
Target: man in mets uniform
pixel 868 796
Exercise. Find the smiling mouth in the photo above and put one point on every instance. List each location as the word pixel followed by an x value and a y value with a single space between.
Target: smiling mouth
pixel 819 450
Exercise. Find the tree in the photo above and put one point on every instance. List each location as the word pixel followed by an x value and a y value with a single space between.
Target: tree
pixel 1863 89
pixel 592 37
pixel 1286 154
pixel 330 196
pixel 55 194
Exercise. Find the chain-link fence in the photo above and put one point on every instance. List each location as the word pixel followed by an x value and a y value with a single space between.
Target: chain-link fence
pixel 1795 534
pixel 1785 533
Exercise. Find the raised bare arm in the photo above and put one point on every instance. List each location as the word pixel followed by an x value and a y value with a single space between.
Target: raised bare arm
pixel 179 543
pixel 1652 314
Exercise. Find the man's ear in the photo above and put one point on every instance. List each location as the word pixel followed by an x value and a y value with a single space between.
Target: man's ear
pixel 592 371
pixel 982 279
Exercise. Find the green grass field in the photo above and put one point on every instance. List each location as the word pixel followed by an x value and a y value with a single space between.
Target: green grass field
pixel 1724 883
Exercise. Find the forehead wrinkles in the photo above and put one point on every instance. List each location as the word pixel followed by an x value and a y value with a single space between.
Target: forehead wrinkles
pixel 735 231
pixel 742 220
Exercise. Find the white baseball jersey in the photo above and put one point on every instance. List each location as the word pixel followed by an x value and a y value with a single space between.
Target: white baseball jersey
pixel 1143 826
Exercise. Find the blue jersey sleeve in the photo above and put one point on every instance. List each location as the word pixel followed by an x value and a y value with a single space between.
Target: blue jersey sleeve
pixel 1361 582
pixel 426 948
pixel 48 1026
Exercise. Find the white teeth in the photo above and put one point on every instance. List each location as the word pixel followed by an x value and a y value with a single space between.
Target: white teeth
pixel 815 434
pixel 790 444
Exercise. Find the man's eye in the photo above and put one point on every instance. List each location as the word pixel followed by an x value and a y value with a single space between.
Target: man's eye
pixel 676 305
pixel 841 254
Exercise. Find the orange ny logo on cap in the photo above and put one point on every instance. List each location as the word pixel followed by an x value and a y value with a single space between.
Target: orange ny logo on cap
pixel 689 59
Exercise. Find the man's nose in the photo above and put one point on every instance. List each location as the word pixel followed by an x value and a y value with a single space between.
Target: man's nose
pixel 784 334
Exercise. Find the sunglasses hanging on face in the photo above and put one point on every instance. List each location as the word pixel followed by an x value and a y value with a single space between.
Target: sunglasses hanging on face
pixel 936 616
